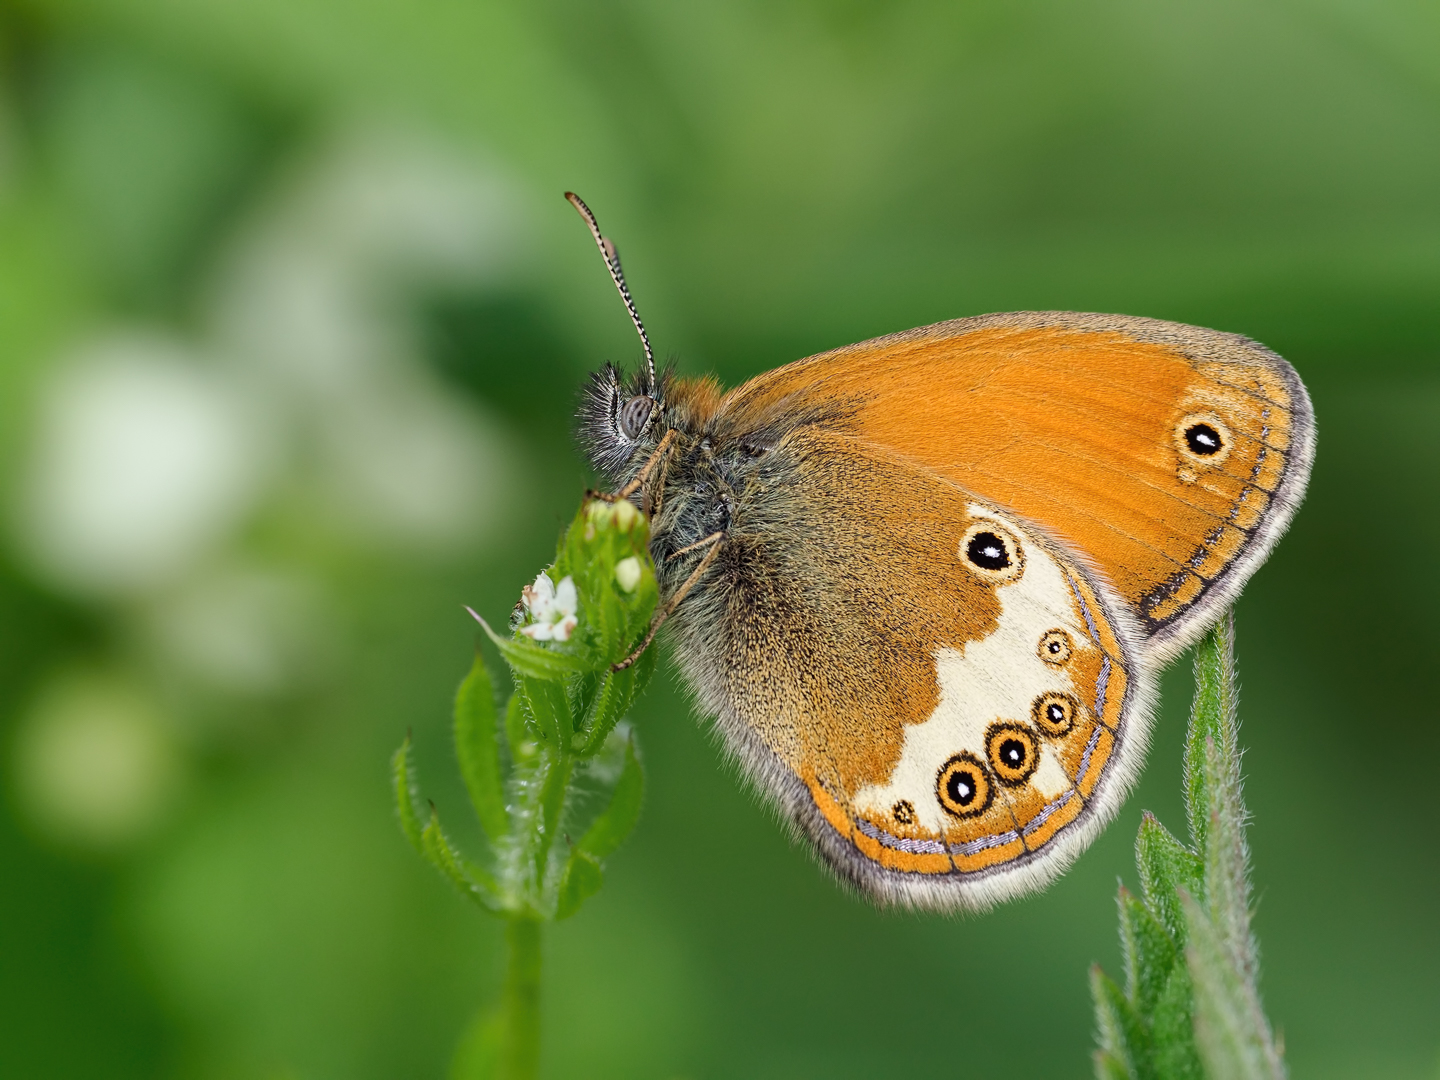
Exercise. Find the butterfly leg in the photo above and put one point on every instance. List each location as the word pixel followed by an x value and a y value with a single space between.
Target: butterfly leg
pixel 698 544
pixel 644 473
pixel 714 540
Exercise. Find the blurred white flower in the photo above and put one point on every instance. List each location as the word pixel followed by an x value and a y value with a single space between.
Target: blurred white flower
pixel 551 608
pixel 142 459
pixel 313 304
pixel 408 466
pixel 304 398
pixel 241 629
pixel 94 761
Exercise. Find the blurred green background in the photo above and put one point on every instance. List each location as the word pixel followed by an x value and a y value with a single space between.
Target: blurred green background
pixel 292 317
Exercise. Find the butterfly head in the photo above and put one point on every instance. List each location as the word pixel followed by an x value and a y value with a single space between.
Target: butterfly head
pixel 621 420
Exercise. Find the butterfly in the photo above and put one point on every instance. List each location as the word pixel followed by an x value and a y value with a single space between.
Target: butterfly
pixel 925 584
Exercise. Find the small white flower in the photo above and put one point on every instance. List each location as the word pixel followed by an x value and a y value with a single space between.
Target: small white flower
pixel 627 573
pixel 551 608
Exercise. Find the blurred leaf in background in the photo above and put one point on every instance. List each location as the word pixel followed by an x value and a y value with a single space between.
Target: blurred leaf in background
pixel 291 322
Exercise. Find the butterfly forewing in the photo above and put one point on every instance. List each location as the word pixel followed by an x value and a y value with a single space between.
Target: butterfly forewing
pixel 1171 456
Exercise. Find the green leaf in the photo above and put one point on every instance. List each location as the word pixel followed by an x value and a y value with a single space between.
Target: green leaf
pixel 530 658
pixel 1227 864
pixel 1201 1018
pixel 477 746
pixel 1109 1067
pixel 581 691
pixel 583 874
pixel 583 878
pixel 608 831
pixel 1123 1041
pixel 1212 716
pixel 540 814
pixel 612 700
pixel 644 667
pixel 1231 1032
pixel 602 536
pixel 554 787
pixel 1220 811
pixel 517 732
pixel 1149 951
pixel 403 776
pixel 549 707
pixel 1166 865
pixel 607 611
pixel 437 848
pixel 1172 1030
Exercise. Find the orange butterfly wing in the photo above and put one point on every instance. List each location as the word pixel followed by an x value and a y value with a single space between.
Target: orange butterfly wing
pixel 947 734
pixel 1101 428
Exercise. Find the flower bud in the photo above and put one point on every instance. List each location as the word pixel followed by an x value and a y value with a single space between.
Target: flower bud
pixel 627 573
pixel 620 514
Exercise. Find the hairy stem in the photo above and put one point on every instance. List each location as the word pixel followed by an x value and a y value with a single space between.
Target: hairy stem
pixel 520 1040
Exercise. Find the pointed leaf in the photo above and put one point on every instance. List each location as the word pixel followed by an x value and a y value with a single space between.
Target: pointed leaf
pixel 549 708
pixel 442 855
pixel 532 659
pixel 517 734
pixel 403 776
pixel 582 691
pixel 1109 1067
pixel 583 878
pixel 1227 865
pixel 477 746
pixel 1172 1030
pixel 1212 716
pixel 1218 810
pixel 611 701
pixel 1149 951
pixel 1166 865
pixel 541 812
pixel 608 831
pixel 644 667
pixel 1231 1032
pixel 1122 1036
pixel 554 788
pixel 606 608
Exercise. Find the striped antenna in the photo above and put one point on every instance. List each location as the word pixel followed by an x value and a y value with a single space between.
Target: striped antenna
pixel 612 262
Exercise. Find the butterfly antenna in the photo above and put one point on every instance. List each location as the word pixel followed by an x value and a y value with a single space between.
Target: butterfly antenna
pixel 612 262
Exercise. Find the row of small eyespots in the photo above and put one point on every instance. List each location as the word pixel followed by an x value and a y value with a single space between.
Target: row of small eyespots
pixel 964 784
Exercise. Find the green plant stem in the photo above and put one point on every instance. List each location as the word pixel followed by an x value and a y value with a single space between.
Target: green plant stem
pixel 1191 1005
pixel 525 769
pixel 520 1041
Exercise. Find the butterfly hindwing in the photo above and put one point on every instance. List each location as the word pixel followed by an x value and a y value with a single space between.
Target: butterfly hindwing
pixel 948 702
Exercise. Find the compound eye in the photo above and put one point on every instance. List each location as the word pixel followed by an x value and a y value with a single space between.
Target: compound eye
pixel 964 787
pixel 635 415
